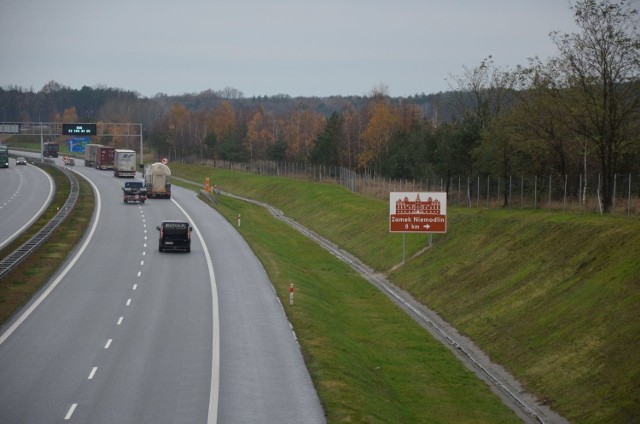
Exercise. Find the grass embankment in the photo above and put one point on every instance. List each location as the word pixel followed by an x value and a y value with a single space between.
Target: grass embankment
pixel 552 297
pixel 22 282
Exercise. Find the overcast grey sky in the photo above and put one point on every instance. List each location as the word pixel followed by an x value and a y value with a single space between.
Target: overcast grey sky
pixel 267 47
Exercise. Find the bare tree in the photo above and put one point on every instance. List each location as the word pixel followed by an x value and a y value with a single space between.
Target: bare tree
pixel 600 81
pixel 482 91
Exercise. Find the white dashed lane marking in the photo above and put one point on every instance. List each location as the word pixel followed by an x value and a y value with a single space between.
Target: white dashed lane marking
pixel 94 370
pixel 70 412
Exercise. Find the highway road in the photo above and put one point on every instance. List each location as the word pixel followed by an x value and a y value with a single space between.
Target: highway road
pixel 124 333
pixel 25 193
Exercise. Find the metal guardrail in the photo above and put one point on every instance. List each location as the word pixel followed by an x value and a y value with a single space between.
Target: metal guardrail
pixel 21 253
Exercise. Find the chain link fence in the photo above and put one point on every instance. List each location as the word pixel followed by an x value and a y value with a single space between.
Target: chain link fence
pixel 566 193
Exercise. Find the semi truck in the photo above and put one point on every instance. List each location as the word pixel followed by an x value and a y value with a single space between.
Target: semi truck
pixel 4 157
pixel 157 178
pixel 124 163
pixel 90 151
pixel 105 157
pixel 50 150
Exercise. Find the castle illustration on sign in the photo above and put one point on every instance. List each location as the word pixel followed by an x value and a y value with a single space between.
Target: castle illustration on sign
pixel 428 207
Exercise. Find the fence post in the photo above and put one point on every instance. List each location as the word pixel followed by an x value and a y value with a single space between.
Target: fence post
pixel 549 192
pixel 598 195
pixel 535 192
pixel 629 199
pixel 564 199
pixel 521 190
pixel 488 193
pixel 613 204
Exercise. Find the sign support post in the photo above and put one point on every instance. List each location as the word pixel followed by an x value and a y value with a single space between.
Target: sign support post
pixel 403 247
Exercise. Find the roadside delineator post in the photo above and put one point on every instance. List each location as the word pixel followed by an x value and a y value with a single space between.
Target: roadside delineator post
pixel 238 220
pixel 206 184
pixel 291 294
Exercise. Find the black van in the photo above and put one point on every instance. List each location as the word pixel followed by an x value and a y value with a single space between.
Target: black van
pixel 174 235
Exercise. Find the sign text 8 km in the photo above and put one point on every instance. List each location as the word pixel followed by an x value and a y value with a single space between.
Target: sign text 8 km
pixel 424 212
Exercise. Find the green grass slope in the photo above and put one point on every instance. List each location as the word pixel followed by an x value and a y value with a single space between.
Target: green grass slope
pixel 554 298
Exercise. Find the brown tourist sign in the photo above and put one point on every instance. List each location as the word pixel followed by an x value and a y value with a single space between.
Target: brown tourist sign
pixel 424 212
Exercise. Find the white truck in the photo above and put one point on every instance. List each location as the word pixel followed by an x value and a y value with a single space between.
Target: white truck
pixel 157 178
pixel 90 151
pixel 124 163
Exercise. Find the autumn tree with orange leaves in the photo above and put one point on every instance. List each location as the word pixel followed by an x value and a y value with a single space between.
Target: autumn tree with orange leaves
pixel 259 135
pixel 384 121
pixel 300 128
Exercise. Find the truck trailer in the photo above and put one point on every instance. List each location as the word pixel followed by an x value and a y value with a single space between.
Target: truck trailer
pixel 157 179
pixel 4 157
pixel 105 157
pixel 124 163
pixel 50 150
pixel 90 151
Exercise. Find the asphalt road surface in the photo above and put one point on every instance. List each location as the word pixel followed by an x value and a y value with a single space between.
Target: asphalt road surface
pixel 124 333
pixel 25 192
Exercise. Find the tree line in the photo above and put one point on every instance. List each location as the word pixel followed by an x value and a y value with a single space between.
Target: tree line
pixel 576 113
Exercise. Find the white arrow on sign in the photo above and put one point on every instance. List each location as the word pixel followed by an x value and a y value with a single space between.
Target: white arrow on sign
pixel 426 226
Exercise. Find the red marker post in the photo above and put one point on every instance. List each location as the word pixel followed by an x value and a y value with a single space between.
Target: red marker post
pixel 291 294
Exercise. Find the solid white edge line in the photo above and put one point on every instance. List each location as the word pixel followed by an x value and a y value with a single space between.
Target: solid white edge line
pixel 64 272
pixel 215 360
pixel 36 216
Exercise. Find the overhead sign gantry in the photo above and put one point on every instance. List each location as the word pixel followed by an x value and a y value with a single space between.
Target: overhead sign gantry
pixel 101 129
